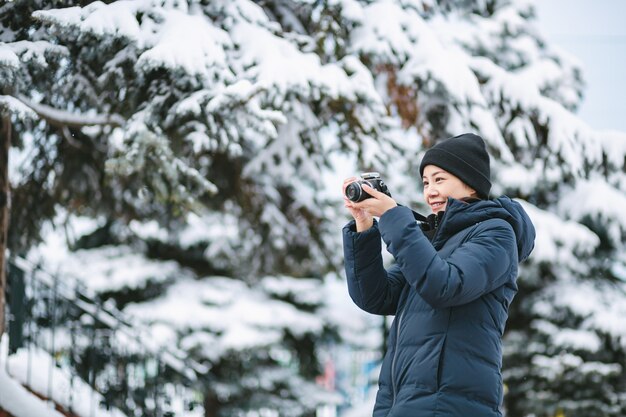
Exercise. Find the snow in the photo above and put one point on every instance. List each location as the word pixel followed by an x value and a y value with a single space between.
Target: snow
pixel 577 339
pixel 136 339
pixel 287 147
pixel 70 118
pixel 243 317
pixel 600 304
pixel 303 291
pixel 240 337
pixel 567 338
pixel 415 40
pixel 34 51
pixel 614 144
pixel 8 58
pixel 16 107
pixel 555 368
pixel 599 200
pixel 190 43
pixel 178 41
pixel 111 268
pixel 618 269
pixel 351 9
pixel 432 62
pixel 374 37
pixel 516 176
pixel 18 401
pixel 200 228
pixel 146 148
pixel 226 312
pixel 559 240
pixel 279 66
pixel 193 44
pixel 97 18
pixel 569 137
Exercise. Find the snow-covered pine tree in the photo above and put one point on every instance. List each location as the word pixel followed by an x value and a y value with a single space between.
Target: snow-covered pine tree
pixel 59 165
pixel 246 100
pixel 267 103
pixel 218 164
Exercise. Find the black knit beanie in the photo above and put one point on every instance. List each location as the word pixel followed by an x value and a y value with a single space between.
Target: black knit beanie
pixel 464 156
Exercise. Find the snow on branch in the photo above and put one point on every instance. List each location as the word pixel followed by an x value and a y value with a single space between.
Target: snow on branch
pixel 9 104
pixel 62 118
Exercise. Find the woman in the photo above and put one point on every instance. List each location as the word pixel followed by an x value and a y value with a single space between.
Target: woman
pixel 449 289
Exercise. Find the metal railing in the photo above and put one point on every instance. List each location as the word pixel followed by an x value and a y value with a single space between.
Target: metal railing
pixel 93 351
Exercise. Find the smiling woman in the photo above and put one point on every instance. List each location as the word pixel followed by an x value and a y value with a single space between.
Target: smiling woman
pixel 450 289
pixel 439 185
pixel 456 168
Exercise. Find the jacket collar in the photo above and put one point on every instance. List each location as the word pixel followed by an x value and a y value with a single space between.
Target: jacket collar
pixel 460 215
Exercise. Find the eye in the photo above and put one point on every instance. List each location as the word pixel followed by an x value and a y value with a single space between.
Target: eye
pixel 425 183
pixel 439 179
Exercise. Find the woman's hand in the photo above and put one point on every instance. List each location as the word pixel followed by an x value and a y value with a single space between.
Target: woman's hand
pixel 378 204
pixel 364 211
pixel 363 219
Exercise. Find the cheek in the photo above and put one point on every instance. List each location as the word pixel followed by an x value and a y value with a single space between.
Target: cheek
pixel 446 191
pixel 461 191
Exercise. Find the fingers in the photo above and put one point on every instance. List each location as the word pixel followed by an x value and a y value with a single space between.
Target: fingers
pixel 372 191
pixel 351 205
pixel 377 205
pixel 348 181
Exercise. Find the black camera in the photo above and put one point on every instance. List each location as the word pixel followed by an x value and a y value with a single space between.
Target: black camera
pixel 354 190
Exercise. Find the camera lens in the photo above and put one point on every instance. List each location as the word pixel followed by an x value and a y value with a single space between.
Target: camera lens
pixel 353 191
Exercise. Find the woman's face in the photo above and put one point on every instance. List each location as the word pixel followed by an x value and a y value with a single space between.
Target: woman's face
pixel 439 184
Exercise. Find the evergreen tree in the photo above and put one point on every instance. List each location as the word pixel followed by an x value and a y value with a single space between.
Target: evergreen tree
pixel 219 118
pixel 236 117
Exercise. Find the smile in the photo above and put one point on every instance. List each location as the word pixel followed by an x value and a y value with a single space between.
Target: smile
pixel 437 205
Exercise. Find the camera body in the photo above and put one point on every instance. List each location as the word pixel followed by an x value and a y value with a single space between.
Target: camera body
pixel 355 192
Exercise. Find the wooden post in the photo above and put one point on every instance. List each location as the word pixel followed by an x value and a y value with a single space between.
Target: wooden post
pixel 5 188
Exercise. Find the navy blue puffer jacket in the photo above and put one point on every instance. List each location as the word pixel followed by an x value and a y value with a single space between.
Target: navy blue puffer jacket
pixel 450 299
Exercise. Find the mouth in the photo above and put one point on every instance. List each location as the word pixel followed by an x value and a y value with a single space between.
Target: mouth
pixel 437 205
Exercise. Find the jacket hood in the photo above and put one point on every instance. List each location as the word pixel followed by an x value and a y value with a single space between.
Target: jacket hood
pixel 460 215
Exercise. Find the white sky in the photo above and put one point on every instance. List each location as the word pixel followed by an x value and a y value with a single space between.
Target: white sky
pixel 595 33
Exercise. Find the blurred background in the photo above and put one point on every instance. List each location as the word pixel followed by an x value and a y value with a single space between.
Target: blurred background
pixel 171 208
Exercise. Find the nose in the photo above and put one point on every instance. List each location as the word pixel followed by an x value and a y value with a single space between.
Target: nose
pixel 432 191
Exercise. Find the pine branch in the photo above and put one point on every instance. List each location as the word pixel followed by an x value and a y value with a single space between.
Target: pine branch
pixel 62 118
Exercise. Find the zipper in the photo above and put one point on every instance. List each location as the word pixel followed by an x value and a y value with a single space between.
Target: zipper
pixel 438 221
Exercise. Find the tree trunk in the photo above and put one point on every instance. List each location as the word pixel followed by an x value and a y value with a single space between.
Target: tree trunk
pixel 5 144
pixel 212 404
